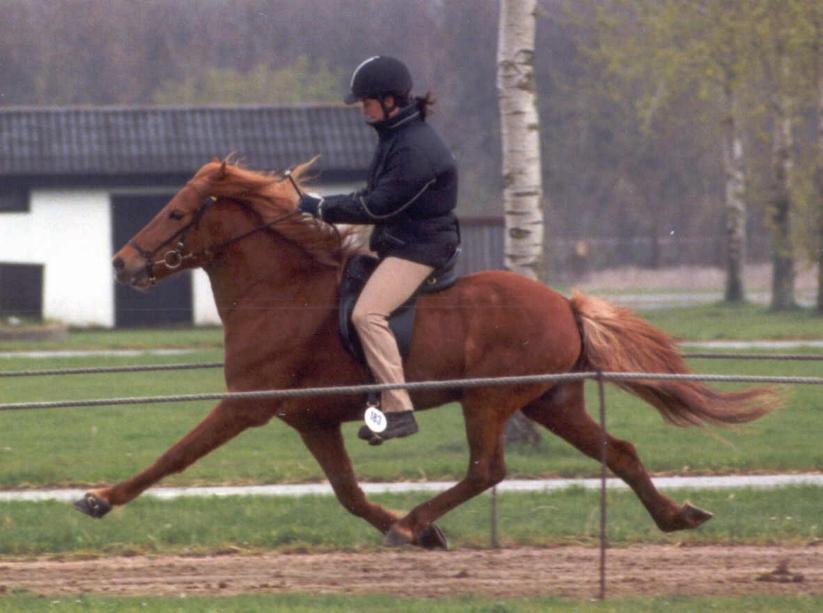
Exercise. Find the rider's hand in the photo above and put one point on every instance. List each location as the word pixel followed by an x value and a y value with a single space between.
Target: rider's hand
pixel 311 204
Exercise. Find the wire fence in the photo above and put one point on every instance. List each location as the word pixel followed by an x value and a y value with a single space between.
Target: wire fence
pixel 93 370
pixel 411 386
pixel 598 376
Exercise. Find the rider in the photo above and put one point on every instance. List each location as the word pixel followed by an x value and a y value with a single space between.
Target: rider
pixel 409 198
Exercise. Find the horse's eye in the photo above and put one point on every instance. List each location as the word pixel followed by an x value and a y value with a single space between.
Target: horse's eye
pixel 176 215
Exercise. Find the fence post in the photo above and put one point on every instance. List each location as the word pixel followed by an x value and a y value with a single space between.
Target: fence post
pixel 494 543
pixel 603 467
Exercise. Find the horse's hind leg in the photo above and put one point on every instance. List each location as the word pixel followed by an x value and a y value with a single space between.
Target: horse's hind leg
pixel 328 448
pixel 484 430
pixel 562 410
pixel 224 422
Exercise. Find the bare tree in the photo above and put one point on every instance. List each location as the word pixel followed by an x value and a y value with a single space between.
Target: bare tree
pixel 520 132
pixel 522 178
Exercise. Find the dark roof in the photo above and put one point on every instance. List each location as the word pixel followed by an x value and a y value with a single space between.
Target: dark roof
pixel 107 141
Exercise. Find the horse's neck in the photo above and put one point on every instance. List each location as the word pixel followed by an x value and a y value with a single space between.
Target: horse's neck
pixel 268 273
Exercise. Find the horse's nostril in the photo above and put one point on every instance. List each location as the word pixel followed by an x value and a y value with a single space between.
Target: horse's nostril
pixel 118 264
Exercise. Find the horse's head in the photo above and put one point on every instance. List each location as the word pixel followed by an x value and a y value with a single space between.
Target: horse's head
pixel 171 240
pixel 221 205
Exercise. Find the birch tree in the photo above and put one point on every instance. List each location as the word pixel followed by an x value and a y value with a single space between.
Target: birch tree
pixel 519 127
pixel 522 181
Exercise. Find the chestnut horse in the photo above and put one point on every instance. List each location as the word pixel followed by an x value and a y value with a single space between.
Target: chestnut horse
pixel 275 273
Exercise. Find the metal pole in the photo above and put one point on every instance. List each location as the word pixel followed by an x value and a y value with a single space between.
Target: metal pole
pixel 494 542
pixel 603 467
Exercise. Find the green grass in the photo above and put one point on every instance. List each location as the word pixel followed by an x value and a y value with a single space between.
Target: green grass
pixel 60 447
pixel 703 322
pixel 725 322
pixel 100 445
pixel 201 338
pixel 305 603
pixel 318 523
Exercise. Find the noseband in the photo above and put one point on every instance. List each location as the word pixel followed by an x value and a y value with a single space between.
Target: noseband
pixel 174 258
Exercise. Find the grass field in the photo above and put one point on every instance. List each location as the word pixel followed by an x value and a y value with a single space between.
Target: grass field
pixel 99 445
pixel 304 603
pixel 318 523
pixel 88 446
pixel 59 447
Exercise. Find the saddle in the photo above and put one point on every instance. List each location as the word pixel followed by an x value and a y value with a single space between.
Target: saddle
pixel 357 271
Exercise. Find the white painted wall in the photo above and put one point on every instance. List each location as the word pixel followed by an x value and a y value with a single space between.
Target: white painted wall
pixel 205 311
pixel 69 233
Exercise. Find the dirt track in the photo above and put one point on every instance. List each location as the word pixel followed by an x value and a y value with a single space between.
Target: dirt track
pixel 561 571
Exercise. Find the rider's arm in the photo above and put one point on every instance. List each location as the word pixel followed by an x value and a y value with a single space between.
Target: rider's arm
pixel 406 177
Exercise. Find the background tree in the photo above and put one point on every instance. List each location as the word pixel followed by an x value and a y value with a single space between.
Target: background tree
pixel 655 129
pixel 521 169
pixel 292 84
pixel 520 134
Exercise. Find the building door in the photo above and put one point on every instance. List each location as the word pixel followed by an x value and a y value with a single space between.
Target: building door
pixel 21 291
pixel 168 302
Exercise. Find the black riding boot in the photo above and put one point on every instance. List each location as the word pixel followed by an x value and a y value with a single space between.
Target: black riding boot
pixel 398 425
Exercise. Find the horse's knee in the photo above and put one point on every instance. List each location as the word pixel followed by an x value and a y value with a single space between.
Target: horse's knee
pixel 483 476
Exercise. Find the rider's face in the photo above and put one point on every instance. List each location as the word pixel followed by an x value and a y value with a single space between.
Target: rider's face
pixel 372 110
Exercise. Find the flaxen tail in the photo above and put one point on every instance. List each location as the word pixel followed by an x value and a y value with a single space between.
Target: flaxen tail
pixel 617 340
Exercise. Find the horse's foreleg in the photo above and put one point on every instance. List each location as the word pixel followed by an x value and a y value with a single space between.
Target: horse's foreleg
pixel 484 430
pixel 224 422
pixel 562 410
pixel 329 450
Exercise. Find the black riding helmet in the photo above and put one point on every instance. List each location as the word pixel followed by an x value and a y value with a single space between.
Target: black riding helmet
pixel 378 77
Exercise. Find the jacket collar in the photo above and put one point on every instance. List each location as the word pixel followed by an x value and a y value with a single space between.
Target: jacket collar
pixel 406 116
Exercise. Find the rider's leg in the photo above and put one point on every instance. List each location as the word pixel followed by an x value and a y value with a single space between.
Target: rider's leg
pixel 392 283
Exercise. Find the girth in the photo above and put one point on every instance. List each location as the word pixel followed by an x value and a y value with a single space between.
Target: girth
pixel 357 271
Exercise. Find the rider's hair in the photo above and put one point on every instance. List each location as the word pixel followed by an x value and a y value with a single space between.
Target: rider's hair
pixel 423 103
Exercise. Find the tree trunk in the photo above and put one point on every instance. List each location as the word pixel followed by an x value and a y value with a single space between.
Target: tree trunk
pixel 783 273
pixel 735 205
pixel 522 180
pixel 520 132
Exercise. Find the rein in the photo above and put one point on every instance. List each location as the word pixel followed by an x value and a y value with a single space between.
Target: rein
pixel 174 258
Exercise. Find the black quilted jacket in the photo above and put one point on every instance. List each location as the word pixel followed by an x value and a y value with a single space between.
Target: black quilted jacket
pixel 410 195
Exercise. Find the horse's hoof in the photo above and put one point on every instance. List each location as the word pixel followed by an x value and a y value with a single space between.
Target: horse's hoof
pixel 693 516
pixel 432 537
pixel 92 505
pixel 394 538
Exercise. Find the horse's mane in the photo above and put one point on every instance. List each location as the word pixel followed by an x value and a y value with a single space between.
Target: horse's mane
pixel 272 196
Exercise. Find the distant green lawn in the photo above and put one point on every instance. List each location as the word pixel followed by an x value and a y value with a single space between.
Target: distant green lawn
pixel 724 322
pixel 701 322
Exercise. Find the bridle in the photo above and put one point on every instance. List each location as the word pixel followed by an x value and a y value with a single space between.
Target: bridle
pixel 174 258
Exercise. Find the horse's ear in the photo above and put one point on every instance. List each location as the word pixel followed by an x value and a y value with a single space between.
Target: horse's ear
pixel 223 172
pixel 300 170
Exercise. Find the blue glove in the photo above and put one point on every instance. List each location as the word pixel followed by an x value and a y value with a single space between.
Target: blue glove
pixel 311 204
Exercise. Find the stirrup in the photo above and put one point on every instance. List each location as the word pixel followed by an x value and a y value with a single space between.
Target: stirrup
pixel 375 421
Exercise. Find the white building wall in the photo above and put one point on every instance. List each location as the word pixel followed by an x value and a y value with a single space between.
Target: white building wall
pixel 205 311
pixel 68 231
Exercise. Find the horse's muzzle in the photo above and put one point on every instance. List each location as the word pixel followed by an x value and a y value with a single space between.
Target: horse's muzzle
pixel 137 276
